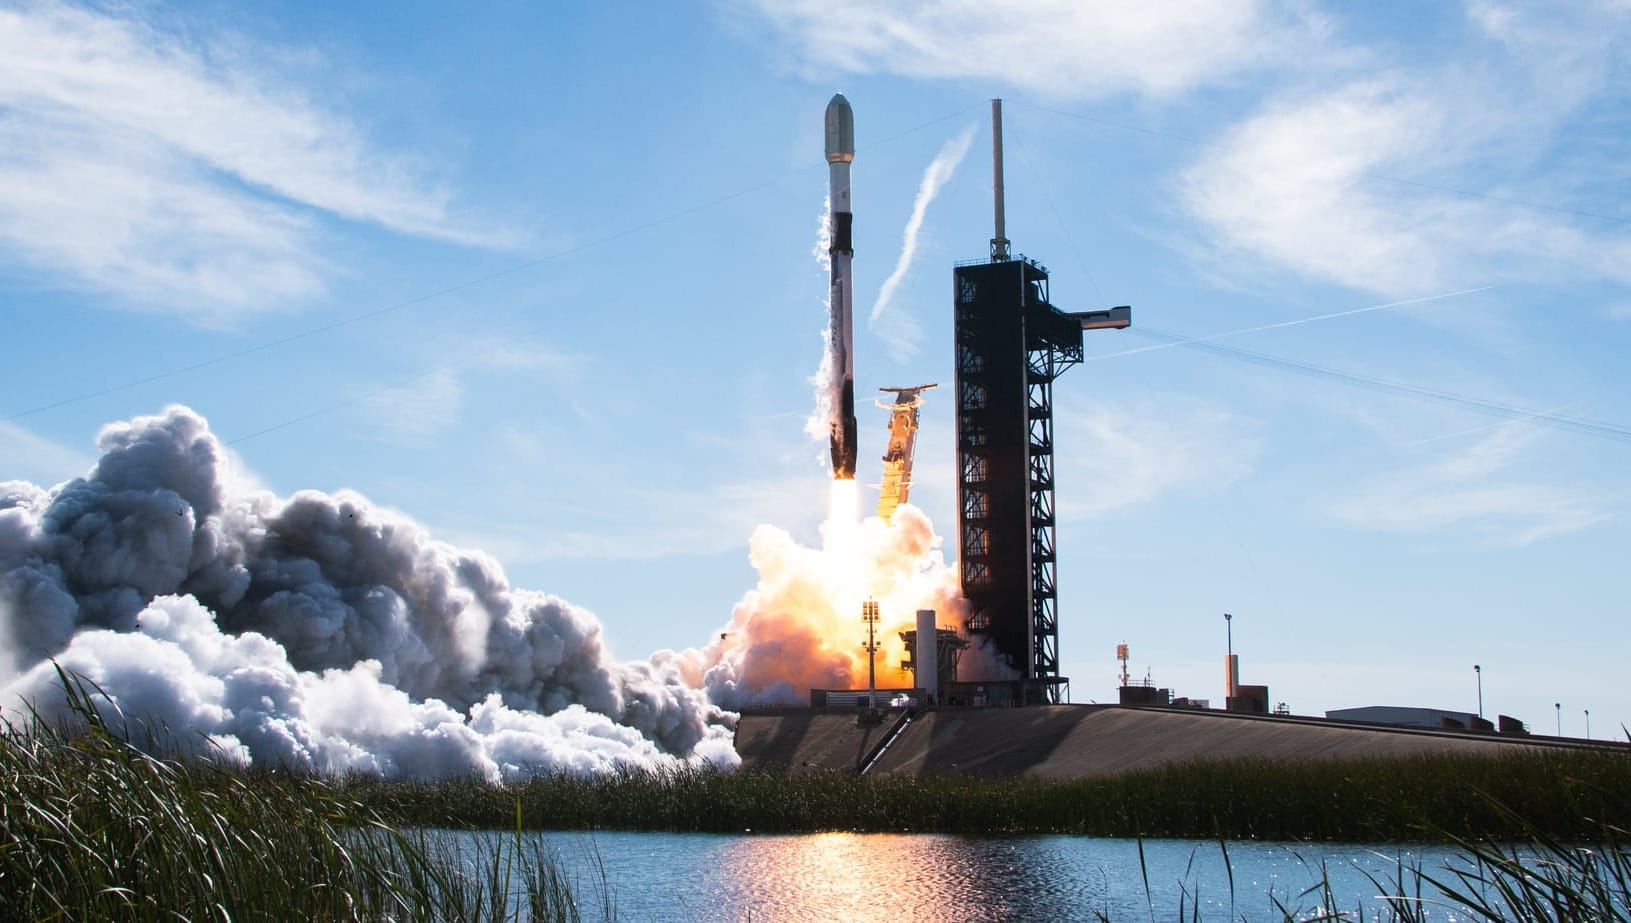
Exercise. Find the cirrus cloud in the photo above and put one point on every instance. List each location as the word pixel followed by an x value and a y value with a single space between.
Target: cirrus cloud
pixel 178 173
pixel 1063 49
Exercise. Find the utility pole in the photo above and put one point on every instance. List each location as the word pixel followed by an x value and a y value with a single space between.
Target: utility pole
pixel 1480 672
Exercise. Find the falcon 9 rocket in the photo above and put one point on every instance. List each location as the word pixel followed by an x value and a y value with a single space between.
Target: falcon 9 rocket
pixel 840 124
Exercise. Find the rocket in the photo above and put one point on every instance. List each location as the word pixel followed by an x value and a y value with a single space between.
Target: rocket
pixel 840 123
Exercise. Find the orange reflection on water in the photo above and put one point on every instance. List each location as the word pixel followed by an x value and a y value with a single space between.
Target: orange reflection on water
pixel 857 878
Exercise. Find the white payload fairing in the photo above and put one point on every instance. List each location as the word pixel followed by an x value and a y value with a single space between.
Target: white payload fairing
pixel 841 298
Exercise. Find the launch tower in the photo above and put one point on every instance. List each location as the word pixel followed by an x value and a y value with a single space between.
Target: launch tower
pixel 1011 342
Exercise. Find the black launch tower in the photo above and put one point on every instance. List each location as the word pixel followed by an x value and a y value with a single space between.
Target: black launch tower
pixel 1011 343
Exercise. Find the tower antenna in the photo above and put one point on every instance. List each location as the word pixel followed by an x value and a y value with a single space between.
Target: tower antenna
pixel 999 243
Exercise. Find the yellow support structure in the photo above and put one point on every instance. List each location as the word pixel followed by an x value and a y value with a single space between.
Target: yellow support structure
pixel 897 461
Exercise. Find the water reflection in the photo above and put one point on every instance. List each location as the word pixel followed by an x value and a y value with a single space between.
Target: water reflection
pixel 856 878
pixel 859 878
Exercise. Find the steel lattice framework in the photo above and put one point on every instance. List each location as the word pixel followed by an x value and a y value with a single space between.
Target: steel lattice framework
pixel 1011 344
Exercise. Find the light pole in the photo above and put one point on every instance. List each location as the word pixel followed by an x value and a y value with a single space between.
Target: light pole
pixel 1479 672
pixel 869 615
pixel 1229 660
pixel 1588 724
pixel 1559 707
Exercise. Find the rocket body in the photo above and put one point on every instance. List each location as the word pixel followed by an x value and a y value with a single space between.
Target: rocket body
pixel 840 132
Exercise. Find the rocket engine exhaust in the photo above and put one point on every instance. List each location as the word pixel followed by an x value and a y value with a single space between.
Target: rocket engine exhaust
pixel 840 131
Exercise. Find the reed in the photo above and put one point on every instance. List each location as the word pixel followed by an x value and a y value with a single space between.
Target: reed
pixel 1564 795
pixel 92 827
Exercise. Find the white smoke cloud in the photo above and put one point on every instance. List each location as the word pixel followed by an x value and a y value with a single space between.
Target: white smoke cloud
pixel 903 332
pixel 318 630
pixel 314 630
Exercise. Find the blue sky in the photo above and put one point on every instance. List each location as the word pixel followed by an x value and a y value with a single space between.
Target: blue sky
pixel 541 276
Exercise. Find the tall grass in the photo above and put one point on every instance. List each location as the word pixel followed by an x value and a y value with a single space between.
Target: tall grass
pixel 1565 795
pixel 93 828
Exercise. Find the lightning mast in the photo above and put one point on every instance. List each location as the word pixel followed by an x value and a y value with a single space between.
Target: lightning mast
pixel 1011 343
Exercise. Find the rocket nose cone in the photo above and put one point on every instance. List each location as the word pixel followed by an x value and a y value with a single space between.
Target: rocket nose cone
pixel 840 130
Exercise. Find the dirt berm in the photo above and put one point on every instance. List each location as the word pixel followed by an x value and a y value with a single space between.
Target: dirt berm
pixel 1073 741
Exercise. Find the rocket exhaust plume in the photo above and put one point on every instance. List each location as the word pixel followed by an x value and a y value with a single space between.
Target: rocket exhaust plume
pixel 840 135
pixel 800 627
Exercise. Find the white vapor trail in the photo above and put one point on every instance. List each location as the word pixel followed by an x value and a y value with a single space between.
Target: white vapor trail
pixel 904 337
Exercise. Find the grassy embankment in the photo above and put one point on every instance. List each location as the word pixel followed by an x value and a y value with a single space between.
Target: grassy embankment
pixel 1568 795
pixel 92 828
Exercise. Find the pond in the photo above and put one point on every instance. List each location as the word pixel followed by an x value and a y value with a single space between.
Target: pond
pixel 856 878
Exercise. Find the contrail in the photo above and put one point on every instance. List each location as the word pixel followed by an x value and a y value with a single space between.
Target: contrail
pixel 1539 415
pixel 1185 341
pixel 938 172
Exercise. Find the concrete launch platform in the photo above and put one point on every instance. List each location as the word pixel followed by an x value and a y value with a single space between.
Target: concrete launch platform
pixel 1076 741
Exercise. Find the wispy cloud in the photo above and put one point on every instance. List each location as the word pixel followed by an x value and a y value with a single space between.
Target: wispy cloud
pixel 420 409
pixel 652 522
pixel 902 331
pixel 1151 452
pixel 176 172
pixel 1059 48
pixel 522 354
pixel 1422 177
pixel 1298 185
pixel 563 374
pixel 1467 492
pixel 30 457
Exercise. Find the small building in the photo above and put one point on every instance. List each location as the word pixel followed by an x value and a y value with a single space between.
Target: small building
pixel 1249 700
pixel 1411 716
pixel 1145 693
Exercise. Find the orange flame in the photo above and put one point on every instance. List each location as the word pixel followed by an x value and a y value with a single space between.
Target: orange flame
pixel 800 627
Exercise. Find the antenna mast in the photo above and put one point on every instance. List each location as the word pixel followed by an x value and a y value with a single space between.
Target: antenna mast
pixel 999 243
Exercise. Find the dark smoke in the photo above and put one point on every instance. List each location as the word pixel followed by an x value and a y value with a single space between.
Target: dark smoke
pixel 313 630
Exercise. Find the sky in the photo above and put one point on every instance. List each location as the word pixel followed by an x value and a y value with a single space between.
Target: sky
pixel 545 278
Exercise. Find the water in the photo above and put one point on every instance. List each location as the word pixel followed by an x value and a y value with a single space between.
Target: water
pixel 856 878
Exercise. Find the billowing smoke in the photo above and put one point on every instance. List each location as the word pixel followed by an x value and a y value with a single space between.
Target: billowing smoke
pixel 314 630
pixel 801 627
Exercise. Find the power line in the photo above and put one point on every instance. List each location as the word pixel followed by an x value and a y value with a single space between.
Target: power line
pixel 1182 341
pixel 1583 425
pixel 330 408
